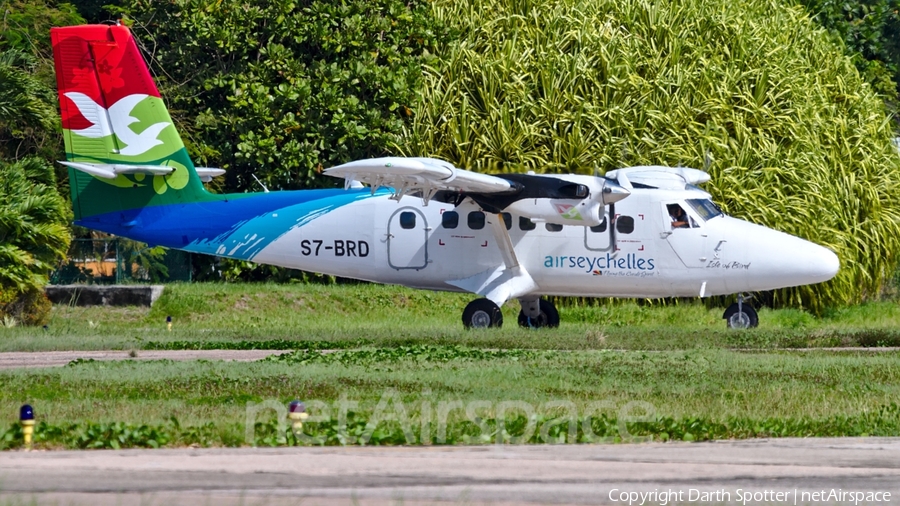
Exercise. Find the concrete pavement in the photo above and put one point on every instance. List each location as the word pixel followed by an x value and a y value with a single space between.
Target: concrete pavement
pixel 776 471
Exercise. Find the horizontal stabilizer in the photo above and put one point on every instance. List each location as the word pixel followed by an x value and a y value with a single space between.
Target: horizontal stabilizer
pixel 208 173
pixel 111 170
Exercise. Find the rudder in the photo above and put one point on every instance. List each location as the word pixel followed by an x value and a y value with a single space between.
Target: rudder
pixel 122 148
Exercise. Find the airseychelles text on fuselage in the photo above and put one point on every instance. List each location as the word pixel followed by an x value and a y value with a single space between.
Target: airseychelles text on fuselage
pixel 630 261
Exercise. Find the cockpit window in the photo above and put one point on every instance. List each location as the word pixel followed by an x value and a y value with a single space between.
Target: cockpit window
pixel 705 208
pixel 679 218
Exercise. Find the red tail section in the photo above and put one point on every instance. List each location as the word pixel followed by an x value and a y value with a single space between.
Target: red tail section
pixel 101 62
pixel 122 147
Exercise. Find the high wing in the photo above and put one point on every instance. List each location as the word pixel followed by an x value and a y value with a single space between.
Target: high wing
pixel 559 199
pixel 424 176
pixel 657 176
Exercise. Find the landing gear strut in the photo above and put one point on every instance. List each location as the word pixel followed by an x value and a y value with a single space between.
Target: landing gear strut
pixel 481 314
pixel 537 313
pixel 741 314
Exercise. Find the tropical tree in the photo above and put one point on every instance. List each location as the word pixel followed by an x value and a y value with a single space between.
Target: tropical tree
pixel 871 32
pixel 27 109
pixel 33 237
pixel 794 138
pixel 278 90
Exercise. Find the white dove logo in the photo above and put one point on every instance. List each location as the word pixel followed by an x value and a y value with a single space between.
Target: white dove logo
pixel 119 114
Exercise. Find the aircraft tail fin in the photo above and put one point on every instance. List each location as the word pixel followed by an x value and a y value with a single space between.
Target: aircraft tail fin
pixel 122 148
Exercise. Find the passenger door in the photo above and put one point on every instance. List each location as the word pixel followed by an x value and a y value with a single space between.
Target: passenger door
pixel 407 239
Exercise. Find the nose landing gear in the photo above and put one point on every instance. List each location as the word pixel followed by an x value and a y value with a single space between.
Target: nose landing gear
pixel 537 313
pixel 741 314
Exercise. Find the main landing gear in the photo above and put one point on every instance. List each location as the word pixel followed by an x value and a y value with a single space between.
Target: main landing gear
pixel 741 314
pixel 536 313
pixel 481 314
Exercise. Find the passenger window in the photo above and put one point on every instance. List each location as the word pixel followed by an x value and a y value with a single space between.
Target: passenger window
pixel 601 227
pixel 476 220
pixel 553 227
pixel 407 220
pixel 450 219
pixel 526 223
pixel 507 220
pixel 624 224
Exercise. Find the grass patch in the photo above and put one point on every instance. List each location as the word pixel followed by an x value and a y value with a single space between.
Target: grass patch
pixel 350 352
pixel 705 393
pixel 256 316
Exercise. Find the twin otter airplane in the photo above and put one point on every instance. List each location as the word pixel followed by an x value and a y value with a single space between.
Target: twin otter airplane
pixel 637 232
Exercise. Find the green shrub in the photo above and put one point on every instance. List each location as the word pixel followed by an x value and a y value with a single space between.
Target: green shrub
pixel 31 307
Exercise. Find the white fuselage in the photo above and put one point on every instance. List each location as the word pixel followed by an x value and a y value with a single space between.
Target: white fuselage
pixel 409 243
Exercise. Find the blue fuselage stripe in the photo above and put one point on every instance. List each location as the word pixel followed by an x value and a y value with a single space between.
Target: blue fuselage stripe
pixel 238 228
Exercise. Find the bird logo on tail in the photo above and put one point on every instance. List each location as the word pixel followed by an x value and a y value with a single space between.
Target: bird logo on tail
pixel 116 120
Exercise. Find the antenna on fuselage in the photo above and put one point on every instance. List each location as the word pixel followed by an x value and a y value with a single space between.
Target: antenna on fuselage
pixel 265 190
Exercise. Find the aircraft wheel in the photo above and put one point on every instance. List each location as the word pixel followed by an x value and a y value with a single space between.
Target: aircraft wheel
pixel 549 317
pixel 481 314
pixel 745 318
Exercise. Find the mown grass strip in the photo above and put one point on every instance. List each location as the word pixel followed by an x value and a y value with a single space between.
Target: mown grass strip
pixel 420 353
pixel 644 339
pixel 271 344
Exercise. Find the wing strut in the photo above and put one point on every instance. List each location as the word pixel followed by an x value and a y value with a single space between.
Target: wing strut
pixel 501 235
pixel 505 282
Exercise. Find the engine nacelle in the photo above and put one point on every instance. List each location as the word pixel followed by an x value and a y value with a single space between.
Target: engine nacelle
pixel 585 212
pixel 574 200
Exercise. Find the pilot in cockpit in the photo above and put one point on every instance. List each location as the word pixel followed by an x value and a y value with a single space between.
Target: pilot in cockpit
pixel 679 217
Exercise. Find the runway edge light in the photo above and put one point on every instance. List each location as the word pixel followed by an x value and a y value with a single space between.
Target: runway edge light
pixel 26 419
pixel 297 413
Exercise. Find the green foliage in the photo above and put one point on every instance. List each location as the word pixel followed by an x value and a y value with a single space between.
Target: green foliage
pixel 355 428
pixel 28 119
pixel 30 307
pixel 95 11
pixel 871 32
pixel 144 261
pixel 271 344
pixel 281 89
pixel 707 393
pixel 93 436
pixel 29 123
pixel 578 86
pixel 25 24
pixel 33 237
pixel 419 353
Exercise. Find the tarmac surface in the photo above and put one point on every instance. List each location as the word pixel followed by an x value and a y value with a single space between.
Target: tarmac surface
pixel 802 471
pixel 29 359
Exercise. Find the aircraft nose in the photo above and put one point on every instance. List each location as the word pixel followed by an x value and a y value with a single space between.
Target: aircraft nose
pixel 818 263
pixel 777 260
pixel 800 262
